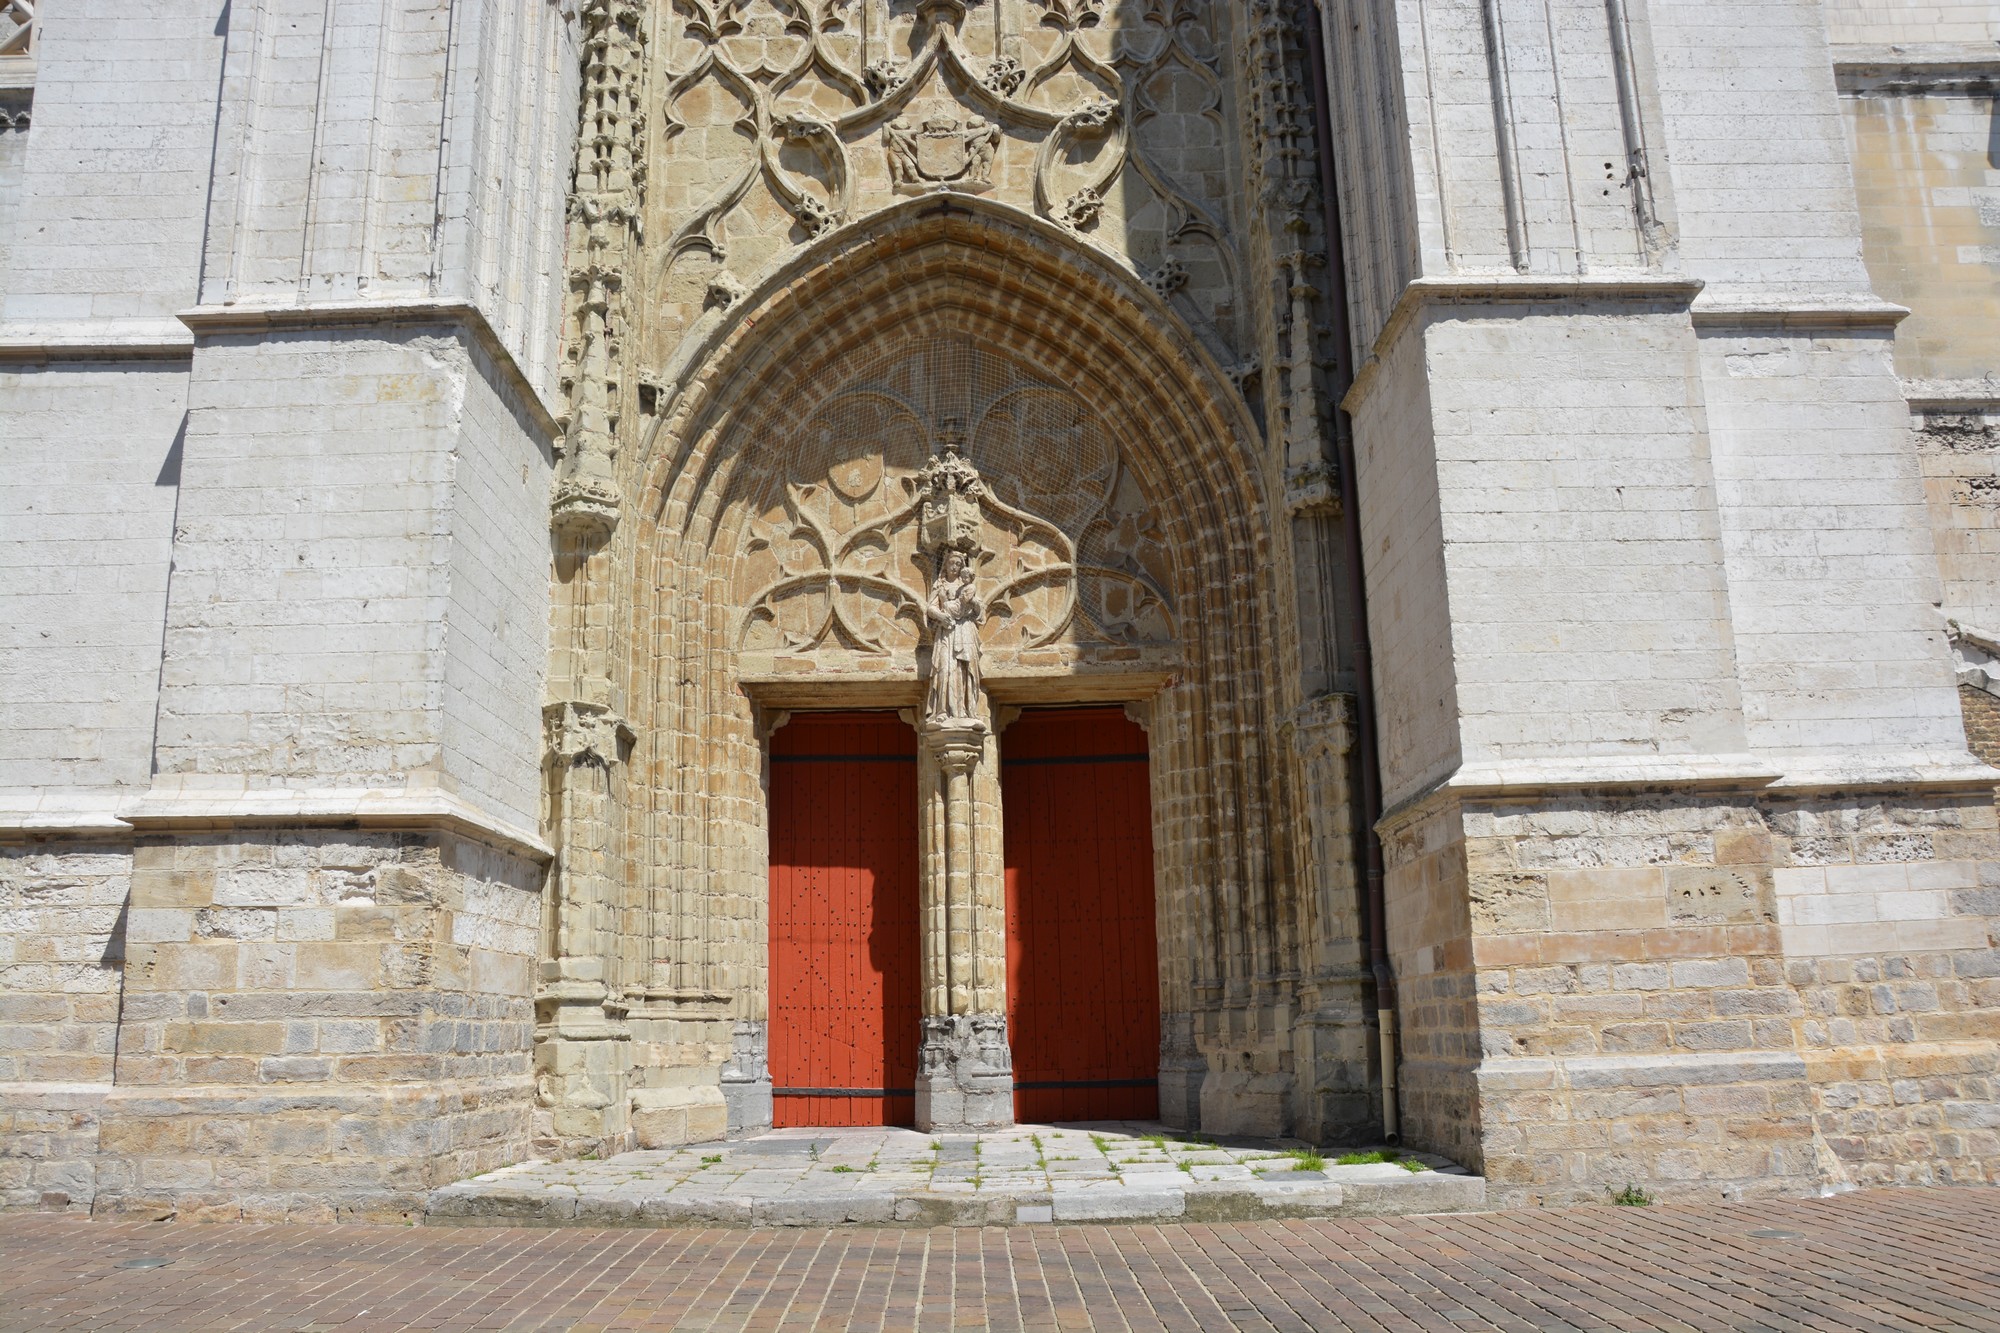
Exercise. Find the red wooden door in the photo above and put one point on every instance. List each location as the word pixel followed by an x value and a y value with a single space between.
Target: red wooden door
pixel 1083 989
pixel 843 914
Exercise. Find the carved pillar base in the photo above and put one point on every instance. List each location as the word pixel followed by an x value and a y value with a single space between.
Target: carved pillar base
pixel 1333 1050
pixel 680 1042
pixel 965 1074
pixel 746 1079
pixel 1182 1071
pixel 582 1064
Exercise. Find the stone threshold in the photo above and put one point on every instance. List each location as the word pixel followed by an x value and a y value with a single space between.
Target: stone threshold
pixel 1111 1172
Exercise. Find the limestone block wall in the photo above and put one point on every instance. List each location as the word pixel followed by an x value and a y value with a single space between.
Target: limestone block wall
pixel 60 960
pixel 273 566
pixel 86 542
pixel 1837 640
pixel 1919 122
pixel 1585 568
pixel 1751 132
pixel 62 953
pixel 1958 449
pixel 115 177
pixel 1430 946
pixel 16 114
pixel 318 1025
pixel 1929 194
pixel 1885 21
pixel 1409 603
pixel 415 150
pixel 356 552
pixel 104 200
pixel 1735 994
pixel 1617 857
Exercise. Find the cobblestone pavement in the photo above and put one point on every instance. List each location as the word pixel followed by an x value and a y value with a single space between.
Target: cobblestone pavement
pixel 1917 1259
pixel 1118 1170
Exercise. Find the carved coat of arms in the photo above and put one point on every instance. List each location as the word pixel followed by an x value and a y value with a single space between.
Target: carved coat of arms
pixel 941 150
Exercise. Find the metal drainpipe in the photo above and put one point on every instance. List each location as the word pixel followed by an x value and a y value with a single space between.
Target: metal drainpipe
pixel 1356 589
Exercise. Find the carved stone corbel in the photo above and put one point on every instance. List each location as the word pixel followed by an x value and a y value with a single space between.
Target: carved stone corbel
pixel 585 733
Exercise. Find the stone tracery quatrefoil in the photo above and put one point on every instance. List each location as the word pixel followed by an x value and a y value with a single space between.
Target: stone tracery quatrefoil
pixel 1067 549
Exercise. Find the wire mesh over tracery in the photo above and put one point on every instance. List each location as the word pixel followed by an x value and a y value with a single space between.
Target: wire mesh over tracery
pixel 1069 548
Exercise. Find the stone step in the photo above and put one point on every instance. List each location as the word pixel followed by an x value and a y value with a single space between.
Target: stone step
pixel 899 1178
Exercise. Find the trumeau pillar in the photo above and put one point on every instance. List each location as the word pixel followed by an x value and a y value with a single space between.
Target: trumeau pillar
pixel 965 1071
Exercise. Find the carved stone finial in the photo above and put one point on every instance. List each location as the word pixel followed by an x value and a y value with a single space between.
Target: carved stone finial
pixel 884 76
pixel 1080 209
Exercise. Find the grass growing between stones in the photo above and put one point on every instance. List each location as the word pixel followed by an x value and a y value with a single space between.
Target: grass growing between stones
pixel 1375 1157
pixel 1308 1159
pixel 1631 1197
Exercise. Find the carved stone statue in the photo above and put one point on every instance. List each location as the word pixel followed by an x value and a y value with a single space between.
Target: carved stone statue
pixel 955 615
pixel 941 151
pixel 901 140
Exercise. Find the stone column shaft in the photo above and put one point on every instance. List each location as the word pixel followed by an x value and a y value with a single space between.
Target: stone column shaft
pixel 965 1076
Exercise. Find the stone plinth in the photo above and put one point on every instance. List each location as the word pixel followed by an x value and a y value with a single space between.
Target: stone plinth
pixel 965 1074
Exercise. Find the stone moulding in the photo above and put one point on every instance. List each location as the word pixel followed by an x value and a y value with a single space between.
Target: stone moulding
pixel 95 340
pixel 964 217
pixel 261 317
pixel 1514 289
pixel 165 809
pixel 1787 310
pixel 1922 70
pixel 1529 778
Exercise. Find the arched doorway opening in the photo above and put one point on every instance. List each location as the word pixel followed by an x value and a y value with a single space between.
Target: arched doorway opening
pixel 951 382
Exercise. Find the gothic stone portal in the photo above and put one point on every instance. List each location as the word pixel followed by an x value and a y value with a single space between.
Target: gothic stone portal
pixel 986 493
pixel 903 553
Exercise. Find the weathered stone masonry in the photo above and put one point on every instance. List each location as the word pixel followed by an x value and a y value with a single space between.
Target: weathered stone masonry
pixel 453 436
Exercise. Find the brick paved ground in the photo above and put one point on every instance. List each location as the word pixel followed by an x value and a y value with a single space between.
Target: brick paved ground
pixel 1882 1260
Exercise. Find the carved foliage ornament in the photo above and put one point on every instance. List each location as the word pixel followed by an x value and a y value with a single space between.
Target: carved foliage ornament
pixel 811 74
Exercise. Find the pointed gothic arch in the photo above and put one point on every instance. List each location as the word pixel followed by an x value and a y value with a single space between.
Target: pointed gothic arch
pixel 998 289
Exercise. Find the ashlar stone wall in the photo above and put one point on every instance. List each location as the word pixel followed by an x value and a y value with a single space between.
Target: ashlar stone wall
pixel 1697 902
pixel 277 355
pixel 318 1026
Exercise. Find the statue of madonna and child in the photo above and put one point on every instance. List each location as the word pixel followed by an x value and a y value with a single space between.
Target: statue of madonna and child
pixel 955 614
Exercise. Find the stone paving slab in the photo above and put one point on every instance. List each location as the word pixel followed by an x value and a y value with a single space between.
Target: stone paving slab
pixel 1114 1171
pixel 1885 1261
